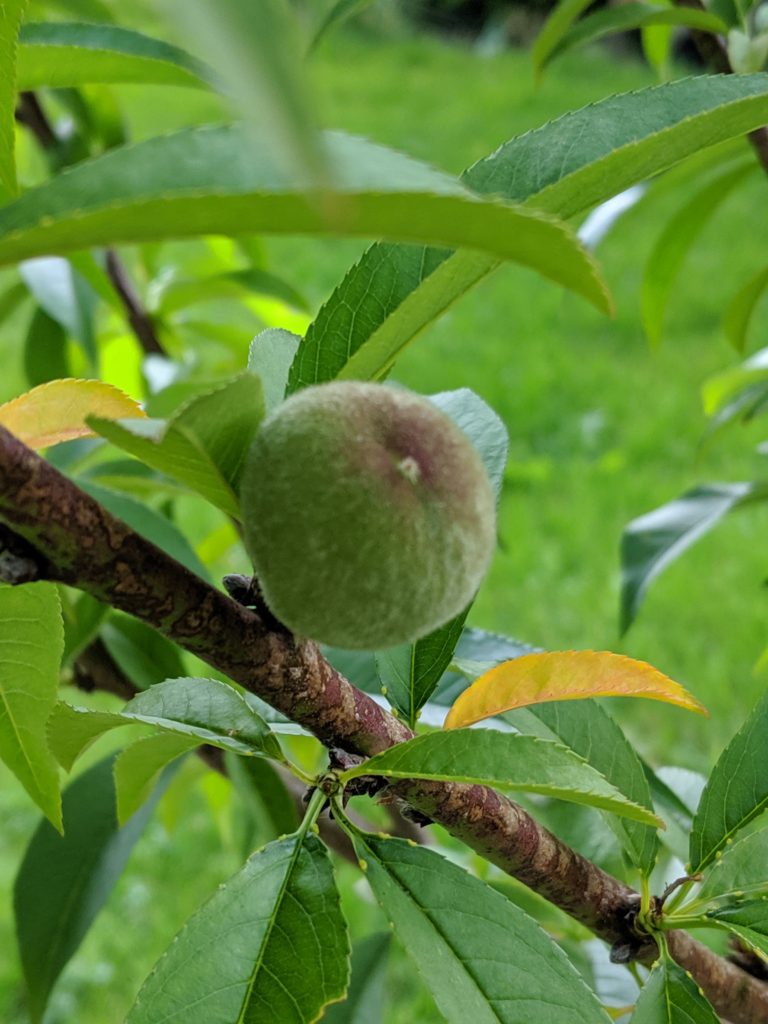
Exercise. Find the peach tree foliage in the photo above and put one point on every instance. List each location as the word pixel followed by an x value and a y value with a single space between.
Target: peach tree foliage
pixel 737 395
pixel 105 587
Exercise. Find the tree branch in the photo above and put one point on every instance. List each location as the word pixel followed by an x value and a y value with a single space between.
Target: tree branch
pixel 81 544
pixel 139 319
pixel 32 116
pixel 96 669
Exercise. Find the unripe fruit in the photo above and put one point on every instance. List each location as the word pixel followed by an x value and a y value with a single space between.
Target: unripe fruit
pixel 367 513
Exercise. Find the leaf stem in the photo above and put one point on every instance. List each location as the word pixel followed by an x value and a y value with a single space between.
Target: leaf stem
pixel 645 898
pixel 346 823
pixel 314 809
pixel 688 921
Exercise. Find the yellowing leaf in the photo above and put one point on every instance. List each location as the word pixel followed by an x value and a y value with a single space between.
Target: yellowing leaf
pixel 564 675
pixel 57 411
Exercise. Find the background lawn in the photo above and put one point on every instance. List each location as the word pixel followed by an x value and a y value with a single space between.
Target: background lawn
pixel 602 429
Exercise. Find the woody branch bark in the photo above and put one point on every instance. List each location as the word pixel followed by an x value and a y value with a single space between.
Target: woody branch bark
pixel 70 538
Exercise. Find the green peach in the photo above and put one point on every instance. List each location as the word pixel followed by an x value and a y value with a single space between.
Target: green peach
pixel 368 515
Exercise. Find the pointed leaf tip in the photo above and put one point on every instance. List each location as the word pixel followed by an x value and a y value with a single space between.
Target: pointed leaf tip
pixel 564 675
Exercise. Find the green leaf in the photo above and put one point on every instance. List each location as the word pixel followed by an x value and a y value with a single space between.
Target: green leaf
pixel 411 672
pixel 357 666
pixel 748 920
pixel 82 10
pixel 45 350
pixel 671 996
pixel 477 651
pixel 139 766
pixel 338 12
pixel 366 998
pixel 83 616
pixel 91 266
pixel 741 871
pixel 128 476
pixel 674 799
pixel 481 957
pixel 183 292
pixel 209 708
pixel 62 55
pixel 738 312
pixel 560 19
pixel 205 710
pixel 31 646
pixel 483 427
pixel 269 357
pixel 270 944
pixel 675 241
pixel 728 10
pixel 71 730
pixel 632 15
pixel 505 761
pixel 652 542
pixel 736 791
pixel 11 14
pixel 744 407
pixel 735 383
pixel 586 728
pixel 65 296
pixel 203 445
pixel 144 655
pixel 214 180
pixel 269 805
pixel 12 298
pixel 256 50
pixel 657 41
pixel 64 881
pixel 565 167
pixel 150 524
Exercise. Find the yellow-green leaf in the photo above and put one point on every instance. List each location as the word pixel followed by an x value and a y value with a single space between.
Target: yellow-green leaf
pixel 57 411
pixel 564 675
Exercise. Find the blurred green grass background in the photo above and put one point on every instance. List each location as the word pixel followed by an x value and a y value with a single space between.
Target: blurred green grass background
pixel 602 429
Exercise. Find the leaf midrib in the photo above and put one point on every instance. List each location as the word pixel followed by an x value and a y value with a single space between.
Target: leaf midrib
pixel 298 846
pixel 412 896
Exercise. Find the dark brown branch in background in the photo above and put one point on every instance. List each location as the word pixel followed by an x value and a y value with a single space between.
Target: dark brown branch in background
pixel 81 544
pixel 32 116
pixel 139 319
pixel 30 113
pixel 96 669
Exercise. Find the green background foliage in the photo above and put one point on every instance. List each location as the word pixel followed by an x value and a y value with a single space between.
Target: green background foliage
pixel 601 430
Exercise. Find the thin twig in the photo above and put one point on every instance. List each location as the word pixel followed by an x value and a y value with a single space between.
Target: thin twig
pixel 139 319
pixel 32 116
